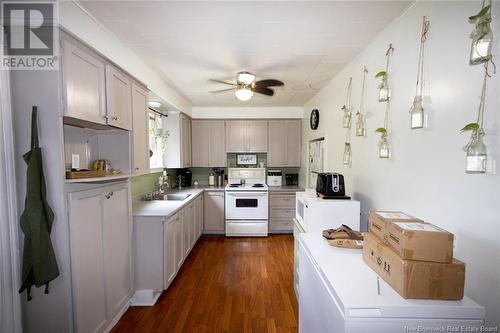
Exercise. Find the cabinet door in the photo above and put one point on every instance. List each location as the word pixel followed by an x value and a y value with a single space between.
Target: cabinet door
pixel 187 231
pixel 140 129
pixel 214 211
pixel 179 241
pixel 193 225
pixel 236 136
pixel 257 136
pixel 118 98
pixel 294 143
pixel 169 267
pixel 277 154
pixel 87 262
pixel 217 148
pixel 83 84
pixel 201 143
pixel 116 240
pixel 200 215
pixel 185 141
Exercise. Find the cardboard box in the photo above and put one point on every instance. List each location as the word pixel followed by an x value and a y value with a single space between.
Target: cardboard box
pixel 420 241
pixel 414 279
pixel 377 221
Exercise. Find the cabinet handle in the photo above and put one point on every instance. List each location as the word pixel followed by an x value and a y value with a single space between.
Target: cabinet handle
pixel 109 195
pixel 114 118
pixel 136 169
pixel 105 117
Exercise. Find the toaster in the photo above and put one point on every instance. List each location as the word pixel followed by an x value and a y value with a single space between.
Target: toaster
pixel 331 186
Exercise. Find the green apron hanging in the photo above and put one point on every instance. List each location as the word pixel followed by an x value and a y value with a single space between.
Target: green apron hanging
pixel 39 261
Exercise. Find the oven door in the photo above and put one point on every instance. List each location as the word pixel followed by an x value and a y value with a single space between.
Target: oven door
pixel 246 205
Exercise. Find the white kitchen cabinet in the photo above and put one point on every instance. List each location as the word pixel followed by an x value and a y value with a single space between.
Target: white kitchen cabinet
pixel 140 129
pixel 116 241
pixel 87 261
pixel 214 221
pixel 281 211
pixel 246 136
pixel 83 84
pixel 178 145
pixel 284 143
pixel 187 229
pixel 99 227
pixel 118 98
pixel 179 241
pixel 208 143
pixel 169 241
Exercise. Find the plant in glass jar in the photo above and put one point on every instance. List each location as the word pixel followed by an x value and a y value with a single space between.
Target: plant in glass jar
pixel 347 154
pixel 384 92
pixel 383 143
pixel 417 109
pixel 360 117
pixel 482 36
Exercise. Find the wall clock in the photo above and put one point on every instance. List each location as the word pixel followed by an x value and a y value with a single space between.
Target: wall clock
pixel 314 119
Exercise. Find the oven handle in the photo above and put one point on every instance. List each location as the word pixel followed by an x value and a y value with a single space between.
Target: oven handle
pixel 248 194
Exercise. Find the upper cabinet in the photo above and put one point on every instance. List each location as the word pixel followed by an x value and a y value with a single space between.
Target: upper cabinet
pixel 94 90
pixel 246 136
pixel 284 143
pixel 83 84
pixel 140 129
pixel 118 98
pixel 208 143
pixel 177 153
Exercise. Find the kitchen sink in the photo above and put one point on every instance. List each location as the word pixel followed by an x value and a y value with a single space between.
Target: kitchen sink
pixel 176 197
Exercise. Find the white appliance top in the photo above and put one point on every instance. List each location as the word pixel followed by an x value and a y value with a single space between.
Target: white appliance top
pixel 251 176
pixel 354 286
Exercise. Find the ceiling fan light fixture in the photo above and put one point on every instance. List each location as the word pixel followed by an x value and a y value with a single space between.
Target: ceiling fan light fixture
pixel 243 93
pixel 246 78
pixel 154 104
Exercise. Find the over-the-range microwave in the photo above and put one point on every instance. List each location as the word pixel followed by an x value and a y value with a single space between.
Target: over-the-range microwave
pixel 317 214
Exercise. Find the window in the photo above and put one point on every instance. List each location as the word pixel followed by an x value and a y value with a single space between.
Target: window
pixel 157 140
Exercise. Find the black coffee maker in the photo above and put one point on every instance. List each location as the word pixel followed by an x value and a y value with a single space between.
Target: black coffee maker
pixel 331 186
pixel 185 177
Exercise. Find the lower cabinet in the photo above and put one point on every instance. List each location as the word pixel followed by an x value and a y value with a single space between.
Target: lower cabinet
pixel 281 211
pixel 158 259
pixel 214 222
pixel 99 227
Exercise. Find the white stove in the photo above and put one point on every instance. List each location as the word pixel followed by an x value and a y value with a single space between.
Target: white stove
pixel 247 202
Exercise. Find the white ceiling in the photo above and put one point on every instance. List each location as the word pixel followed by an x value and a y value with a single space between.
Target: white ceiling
pixel 302 43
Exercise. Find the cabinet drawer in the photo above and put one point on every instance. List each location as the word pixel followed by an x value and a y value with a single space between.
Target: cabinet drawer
pixel 282 213
pixel 280 200
pixel 278 224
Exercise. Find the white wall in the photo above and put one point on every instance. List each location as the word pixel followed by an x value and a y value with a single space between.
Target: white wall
pixel 77 21
pixel 248 112
pixel 425 176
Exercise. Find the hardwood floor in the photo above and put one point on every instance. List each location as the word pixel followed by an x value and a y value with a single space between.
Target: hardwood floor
pixel 225 285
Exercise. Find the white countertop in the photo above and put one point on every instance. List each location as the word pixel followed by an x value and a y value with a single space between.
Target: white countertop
pixel 165 208
pixel 354 286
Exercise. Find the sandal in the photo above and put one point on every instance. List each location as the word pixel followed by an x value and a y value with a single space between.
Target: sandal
pixel 346 243
pixel 342 232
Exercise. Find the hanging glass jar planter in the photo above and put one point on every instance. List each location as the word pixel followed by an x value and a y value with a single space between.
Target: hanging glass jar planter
pixel 482 36
pixel 346 122
pixel 417 110
pixel 383 147
pixel 360 124
pixel 417 113
pixel 384 93
pixel 347 154
pixel 476 153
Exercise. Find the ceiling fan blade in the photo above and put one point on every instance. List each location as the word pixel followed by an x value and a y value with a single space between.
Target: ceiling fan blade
pixel 221 90
pixel 263 90
pixel 269 83
pixel 223 82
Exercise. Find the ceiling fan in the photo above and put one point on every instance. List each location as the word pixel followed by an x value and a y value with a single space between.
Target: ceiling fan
pixel 246 86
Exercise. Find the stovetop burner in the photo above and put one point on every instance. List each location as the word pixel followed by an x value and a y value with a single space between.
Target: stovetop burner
pixel 234 185
pixel 258 185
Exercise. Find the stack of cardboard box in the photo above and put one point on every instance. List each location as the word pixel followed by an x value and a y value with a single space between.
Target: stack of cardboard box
pixel 413 257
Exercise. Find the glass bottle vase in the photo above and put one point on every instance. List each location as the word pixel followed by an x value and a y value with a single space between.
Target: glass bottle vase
pixel 346 121
pixel 383 147
pixel 417 113
pixel 476 154
pixel 384 93
pixel 481 45
pixel 360 125
pixel 347 154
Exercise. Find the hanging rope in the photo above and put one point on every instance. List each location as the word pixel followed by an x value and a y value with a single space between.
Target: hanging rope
pixel 420 67
pixel 348 97
pixel 348 106
pixel 363 88
pixel 388 54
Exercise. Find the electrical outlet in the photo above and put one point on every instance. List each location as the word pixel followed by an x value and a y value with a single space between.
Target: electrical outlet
pixel 75 161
